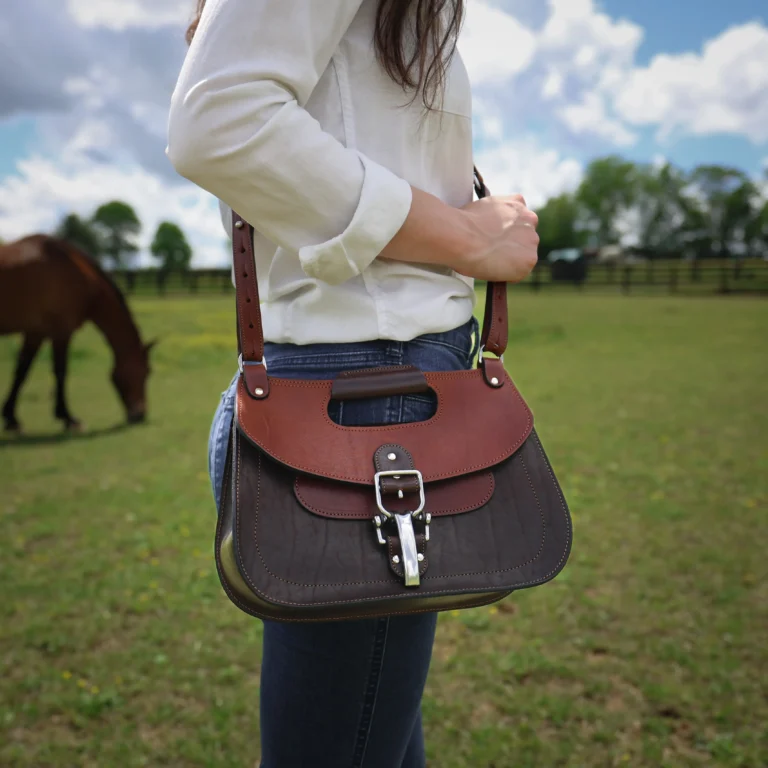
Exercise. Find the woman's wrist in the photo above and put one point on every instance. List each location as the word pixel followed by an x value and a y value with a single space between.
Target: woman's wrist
pixel 436 233
pixel 468 241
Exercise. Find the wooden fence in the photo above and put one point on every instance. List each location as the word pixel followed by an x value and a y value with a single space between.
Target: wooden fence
pixel 675 277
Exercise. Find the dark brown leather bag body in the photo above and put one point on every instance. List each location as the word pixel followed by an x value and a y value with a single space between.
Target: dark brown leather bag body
pixel 320 521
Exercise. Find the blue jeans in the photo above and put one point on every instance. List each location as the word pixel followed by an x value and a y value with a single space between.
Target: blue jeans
pixel 347 694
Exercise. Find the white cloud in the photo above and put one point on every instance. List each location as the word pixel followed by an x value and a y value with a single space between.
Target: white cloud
pixel 720 90
pixel 495 45
pixel 523 166
pixel 585 49
pixel 590 116
pixel 590 37
pixel 43 190
pixel 554 73
pixel 121 14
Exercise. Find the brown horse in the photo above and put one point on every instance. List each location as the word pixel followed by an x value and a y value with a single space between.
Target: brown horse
pixel 48 289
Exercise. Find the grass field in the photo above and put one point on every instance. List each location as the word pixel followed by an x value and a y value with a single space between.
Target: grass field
pixel 118 648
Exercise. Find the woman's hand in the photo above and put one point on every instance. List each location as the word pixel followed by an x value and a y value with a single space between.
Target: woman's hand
pixel 506 240
pixel 490 239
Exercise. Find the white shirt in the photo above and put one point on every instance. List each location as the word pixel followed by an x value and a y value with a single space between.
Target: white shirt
pixel 283 112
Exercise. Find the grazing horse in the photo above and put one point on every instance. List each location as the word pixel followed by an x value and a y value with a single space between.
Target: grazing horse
pixel 48 289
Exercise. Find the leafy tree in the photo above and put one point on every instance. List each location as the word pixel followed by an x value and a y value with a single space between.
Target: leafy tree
pixel 171 248
pixel 661 206
pixel 727 197
pixel 81 234
pixel 117 225
pixel 607 190
pixel 560 225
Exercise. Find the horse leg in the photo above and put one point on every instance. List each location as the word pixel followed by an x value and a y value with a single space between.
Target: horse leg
pixel 27 354
pixel 60 355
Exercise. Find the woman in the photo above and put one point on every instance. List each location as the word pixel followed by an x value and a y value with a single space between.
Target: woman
pixel 341 129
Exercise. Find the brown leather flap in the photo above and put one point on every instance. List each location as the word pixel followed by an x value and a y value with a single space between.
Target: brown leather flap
pixel 354 502
pixel 476 426
pixel 378 382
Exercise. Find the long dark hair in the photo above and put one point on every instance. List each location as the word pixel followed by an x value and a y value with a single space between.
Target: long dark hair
pixel 414 39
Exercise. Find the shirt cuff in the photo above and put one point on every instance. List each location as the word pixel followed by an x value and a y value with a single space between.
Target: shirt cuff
pixel 385 202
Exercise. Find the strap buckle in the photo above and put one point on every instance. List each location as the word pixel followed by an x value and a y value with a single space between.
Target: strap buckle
pixel 404 521
pixel 398 473
pixel 241 363
pixel 481 353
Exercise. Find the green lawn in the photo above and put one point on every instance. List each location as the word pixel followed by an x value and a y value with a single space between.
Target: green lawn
pixel 118 648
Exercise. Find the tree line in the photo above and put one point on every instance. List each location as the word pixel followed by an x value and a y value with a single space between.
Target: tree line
pixel 109 236
pixel 712 211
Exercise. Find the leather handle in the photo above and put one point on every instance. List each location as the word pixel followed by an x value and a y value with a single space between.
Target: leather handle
pixel 251 337
pixel 379 382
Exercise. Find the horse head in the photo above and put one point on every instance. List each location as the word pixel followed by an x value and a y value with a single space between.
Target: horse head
pixel 130 379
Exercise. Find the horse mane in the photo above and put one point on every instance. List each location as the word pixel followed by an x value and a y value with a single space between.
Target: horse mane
pixel 87 264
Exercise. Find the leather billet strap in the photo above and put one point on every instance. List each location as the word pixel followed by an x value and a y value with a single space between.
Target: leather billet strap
pixel 251 336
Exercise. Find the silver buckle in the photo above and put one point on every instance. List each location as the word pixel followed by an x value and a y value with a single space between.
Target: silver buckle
pixel 481 352
pixel 404 523
pixel 240 363
pixel 398 473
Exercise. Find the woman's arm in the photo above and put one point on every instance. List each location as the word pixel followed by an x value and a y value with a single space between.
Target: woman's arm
pixel 237 128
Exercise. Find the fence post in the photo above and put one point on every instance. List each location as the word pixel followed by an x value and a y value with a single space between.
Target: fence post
pixel 626 281
pixel 161 278
pixel 724 279
pixel 192 281
pixel 649 269
pixel 695 274
pixel 673 278
pixel 536 278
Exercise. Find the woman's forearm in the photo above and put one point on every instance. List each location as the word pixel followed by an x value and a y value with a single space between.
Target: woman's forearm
pixel 490 239
pixel 434 233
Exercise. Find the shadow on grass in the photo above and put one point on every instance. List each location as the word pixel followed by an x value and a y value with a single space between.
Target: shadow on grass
pixel 10 440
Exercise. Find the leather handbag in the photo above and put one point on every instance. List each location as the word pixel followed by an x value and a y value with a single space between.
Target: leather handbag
pixel 322 522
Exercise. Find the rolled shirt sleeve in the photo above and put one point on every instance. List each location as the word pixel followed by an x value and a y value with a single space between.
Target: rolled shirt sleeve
pixel 237 128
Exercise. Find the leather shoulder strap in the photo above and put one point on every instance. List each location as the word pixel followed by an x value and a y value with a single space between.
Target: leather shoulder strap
pixel 251 336
pixel 495 319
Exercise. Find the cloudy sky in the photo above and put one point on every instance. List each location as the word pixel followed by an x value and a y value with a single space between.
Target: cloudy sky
pixel 85 85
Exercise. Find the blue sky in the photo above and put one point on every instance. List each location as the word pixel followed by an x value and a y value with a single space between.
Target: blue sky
pixel 672 26
pixel 556 83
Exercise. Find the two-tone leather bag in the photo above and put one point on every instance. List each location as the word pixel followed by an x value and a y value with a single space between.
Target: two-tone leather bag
pixel 321 521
